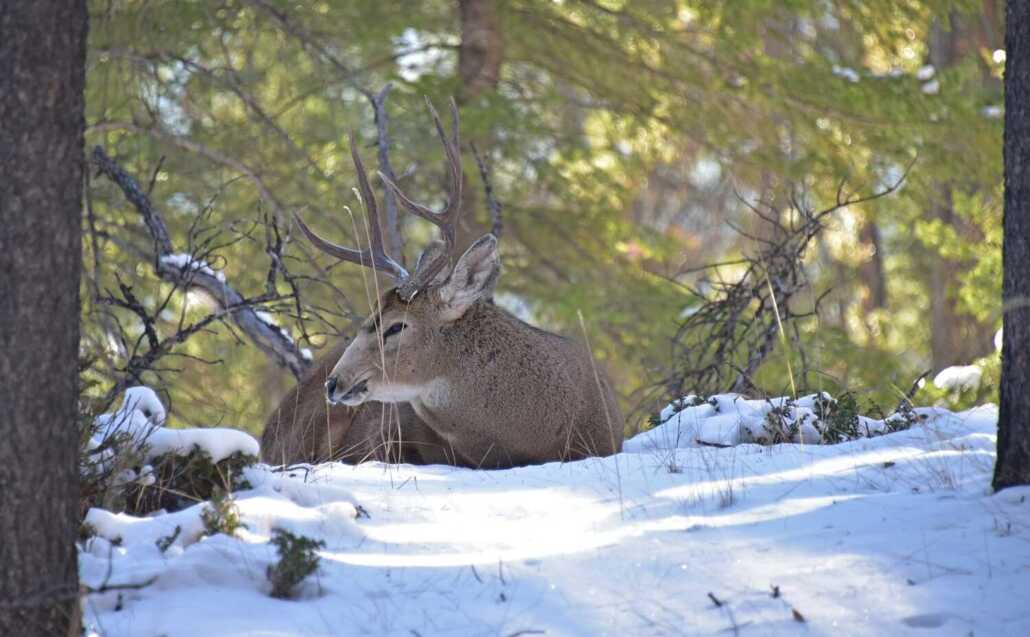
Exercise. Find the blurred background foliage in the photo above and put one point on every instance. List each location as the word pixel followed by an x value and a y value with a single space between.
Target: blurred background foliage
pixel 623 137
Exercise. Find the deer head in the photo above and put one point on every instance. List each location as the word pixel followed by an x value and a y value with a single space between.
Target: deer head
pixel 421 303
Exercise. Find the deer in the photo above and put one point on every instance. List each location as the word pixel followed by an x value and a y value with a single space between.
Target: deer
pixel 472 383
pixel 305 428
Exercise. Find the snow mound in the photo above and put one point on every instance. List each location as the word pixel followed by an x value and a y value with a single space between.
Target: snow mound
pixel 171 552
pixel 144 400
pixel 140 420
pixel 219 442
pixel 883 535
pixel 959 378
pixel 727 420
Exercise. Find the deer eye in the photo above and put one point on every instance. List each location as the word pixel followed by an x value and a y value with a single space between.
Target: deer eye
pixel 393 329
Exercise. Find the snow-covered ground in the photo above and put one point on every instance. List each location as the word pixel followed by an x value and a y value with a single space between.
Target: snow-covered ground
pixel 891 535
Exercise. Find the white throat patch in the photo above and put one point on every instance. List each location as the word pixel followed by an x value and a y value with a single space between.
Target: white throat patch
pixel 396 392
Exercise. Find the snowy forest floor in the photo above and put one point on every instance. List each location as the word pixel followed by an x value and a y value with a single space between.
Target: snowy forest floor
pixel 891 535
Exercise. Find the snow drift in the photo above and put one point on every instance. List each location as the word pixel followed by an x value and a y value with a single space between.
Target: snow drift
pixel 889 534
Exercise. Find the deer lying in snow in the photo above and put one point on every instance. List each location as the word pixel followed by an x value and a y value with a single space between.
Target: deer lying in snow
pixel 474 386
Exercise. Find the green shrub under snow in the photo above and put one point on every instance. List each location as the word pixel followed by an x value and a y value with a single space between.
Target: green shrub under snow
pixel 298 558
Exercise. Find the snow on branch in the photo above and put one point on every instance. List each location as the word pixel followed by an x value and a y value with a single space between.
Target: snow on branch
pixel 188 272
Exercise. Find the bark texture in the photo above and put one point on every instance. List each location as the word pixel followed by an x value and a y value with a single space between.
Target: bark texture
pixel 1013 465
pixel 42 74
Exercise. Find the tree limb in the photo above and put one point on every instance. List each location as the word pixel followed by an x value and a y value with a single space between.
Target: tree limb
pixel 193 275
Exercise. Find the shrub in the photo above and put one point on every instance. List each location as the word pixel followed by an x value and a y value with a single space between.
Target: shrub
pixel 779 425
pixel 838 419
pixel 298 558
pixel 221 515
pixel 181 481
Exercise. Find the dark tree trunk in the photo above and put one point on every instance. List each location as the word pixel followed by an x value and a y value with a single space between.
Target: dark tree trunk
pixel 42 75
pixel 1013 466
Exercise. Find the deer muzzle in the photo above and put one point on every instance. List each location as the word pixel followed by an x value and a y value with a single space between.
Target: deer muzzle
pixel 355 395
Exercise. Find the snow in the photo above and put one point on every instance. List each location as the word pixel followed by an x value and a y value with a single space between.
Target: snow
pixel 848 74
pixel 134 532
pixel 732 419
pixel 893 534
pixel 959 377
pixel 220 442
pixel 270 321
pixel 184 261
pixel 144 400
pixel 140 418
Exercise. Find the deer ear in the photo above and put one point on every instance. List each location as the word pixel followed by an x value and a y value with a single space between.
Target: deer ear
pixel 473 278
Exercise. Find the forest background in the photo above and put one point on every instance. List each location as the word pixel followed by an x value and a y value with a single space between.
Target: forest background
pixel 628 143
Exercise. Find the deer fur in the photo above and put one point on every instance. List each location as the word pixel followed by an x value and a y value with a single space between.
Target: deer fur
pixel 499 391
pixel 306 428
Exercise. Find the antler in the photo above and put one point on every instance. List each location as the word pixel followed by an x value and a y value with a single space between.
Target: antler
pixel 375 257
pixel 445 218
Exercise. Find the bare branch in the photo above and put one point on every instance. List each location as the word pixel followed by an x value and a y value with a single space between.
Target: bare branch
pixel 394 238
pixel 724 341
pixel 190 275
pixel 497 223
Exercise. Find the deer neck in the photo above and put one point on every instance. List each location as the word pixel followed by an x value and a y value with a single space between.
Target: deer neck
pixel 472 361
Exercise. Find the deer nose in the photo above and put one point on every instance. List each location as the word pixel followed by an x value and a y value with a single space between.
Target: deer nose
pixel 330 387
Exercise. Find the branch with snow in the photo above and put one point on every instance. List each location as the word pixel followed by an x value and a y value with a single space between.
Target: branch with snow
pixel 188 272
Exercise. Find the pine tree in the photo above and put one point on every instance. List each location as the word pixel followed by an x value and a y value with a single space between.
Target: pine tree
pixel 42 76
pixel 1013 465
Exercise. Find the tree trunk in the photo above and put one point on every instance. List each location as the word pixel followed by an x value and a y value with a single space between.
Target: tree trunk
pixel 480 56
pixel 1013 466
pixel 956 338
pixel 872 271
pixel 42 75
pixel 482 48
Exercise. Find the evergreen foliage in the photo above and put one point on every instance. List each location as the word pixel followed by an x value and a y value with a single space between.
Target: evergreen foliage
pixel 624 138
pixel 298 558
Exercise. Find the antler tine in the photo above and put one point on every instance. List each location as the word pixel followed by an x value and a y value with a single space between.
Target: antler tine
pixel 376 257
pixel 368 198
pixel 446 218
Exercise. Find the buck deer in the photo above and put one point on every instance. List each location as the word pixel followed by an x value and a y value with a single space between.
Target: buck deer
pixel 491 390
